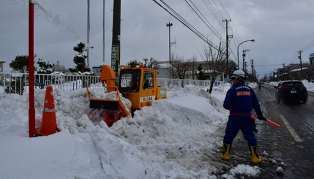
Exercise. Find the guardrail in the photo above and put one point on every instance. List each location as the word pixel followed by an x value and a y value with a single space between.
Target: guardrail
pixel 18 82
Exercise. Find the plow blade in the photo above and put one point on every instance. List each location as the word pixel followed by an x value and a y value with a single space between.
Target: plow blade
pixel 104 104
pixel 109 110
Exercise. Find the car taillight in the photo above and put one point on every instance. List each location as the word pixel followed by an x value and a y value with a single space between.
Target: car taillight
pixel 304 88
pixel 282 88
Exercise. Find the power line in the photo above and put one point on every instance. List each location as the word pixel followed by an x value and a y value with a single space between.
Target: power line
pixel 217 17
pixel 311 44
pixel 294 57
pixel 203 18
pixel 174 14
pixel 210 8
pixel 234 35
pixel 218 10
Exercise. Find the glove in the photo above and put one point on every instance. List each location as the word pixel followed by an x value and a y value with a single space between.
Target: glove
pixel 260 116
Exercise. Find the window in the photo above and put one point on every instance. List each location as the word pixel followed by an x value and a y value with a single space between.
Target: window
pixel 129 81
pixel 148 80
pixel 292 84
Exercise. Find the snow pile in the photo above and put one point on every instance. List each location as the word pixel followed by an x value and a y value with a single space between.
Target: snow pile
pixel 309 86
pixel 243 170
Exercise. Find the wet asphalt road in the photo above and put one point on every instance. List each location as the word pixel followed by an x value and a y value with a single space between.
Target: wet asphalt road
pixel 290 147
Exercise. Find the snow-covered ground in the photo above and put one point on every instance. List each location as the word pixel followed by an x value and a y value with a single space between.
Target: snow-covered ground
pixel 177 137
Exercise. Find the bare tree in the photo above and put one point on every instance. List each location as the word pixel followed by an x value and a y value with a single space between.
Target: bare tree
pixel 193 66
pixel 171 70
pixel 179 67
pixel 215 61
pixel 150 63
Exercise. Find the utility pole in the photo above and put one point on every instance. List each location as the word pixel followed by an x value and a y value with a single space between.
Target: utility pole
pixel 104 33
pixel 252 65
pixel 169 25
pixel 243 54
pixel 115 49
pixel 245 65
pixel 88 29
pixel 227 43
pixel 300 57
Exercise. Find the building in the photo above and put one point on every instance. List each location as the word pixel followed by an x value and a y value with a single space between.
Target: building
pixel 97 70
pixel 60 68
pixel 293 71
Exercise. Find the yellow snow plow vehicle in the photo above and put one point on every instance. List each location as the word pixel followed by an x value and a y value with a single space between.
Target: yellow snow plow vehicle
pixel 138 85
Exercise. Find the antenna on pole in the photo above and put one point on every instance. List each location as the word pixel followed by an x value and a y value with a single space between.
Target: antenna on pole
pixel 174 43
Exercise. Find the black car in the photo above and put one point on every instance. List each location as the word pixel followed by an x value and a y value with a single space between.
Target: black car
pixel 291 90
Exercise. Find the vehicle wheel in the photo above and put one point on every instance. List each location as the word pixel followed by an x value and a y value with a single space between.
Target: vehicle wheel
pixel 278 100
pixel 304 101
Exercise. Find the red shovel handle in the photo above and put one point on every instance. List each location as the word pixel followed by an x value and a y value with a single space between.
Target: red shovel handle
pixel 273 123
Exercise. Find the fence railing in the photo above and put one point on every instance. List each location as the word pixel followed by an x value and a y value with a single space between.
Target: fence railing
pixel 18 82
pixel 180 83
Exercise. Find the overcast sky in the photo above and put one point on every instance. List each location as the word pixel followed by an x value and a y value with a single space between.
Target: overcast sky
pixel 280 29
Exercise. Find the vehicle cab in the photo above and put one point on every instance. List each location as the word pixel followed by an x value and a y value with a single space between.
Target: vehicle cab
pixel 139 85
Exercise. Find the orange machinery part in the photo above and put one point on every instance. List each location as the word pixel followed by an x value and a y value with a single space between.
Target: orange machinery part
pixel 108 75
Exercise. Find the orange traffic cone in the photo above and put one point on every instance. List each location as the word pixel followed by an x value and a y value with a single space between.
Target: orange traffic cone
pixel 49 122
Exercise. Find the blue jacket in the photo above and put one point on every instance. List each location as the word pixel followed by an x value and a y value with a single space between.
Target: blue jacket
pixel 241 99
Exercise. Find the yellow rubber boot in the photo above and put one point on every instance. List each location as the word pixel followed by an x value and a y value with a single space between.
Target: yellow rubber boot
pixel 226 151
pixel 254 151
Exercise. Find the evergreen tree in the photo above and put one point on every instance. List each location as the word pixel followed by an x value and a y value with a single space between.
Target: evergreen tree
pixel 45 68
pixel 79 59
pixel 19 64
pixel 200 75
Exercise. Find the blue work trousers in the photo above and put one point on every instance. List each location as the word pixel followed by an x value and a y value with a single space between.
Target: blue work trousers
pixel 235 123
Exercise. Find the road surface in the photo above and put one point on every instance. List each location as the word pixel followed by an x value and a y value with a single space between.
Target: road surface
pixel 290 147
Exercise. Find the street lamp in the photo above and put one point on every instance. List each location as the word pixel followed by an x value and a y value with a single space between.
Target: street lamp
pixel 169 25
pixel 252 40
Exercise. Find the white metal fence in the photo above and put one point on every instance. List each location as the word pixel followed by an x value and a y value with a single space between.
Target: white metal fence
pixel 180 83
pixel 18 82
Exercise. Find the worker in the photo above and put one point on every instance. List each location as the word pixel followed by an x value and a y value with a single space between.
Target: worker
pixel 147 80
pixel 259 86
pixel 240 100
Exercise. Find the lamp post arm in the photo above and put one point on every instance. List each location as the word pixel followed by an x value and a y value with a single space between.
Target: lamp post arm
pixel 252 40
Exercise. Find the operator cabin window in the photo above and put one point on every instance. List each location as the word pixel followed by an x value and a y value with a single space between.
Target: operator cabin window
pixel 148 81
pixel 130 81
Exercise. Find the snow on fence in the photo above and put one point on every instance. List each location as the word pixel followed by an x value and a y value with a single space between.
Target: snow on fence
pixel 10 82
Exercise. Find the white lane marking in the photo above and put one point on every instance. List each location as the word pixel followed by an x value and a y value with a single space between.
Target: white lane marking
pixel 293 133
